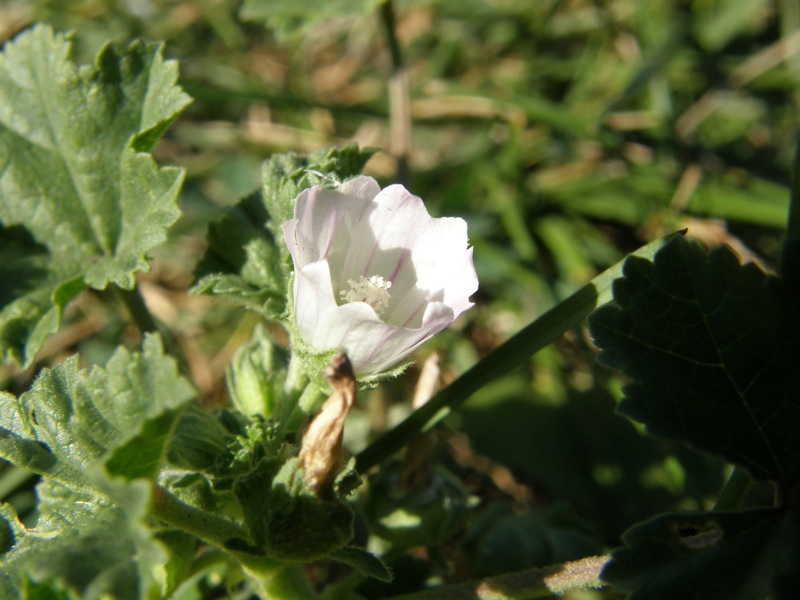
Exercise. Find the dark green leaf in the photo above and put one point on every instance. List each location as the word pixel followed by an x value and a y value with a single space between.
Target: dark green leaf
pixel 243 262
pixel 708 344
pixel 143 455
pixel 362 561
pixel 714 556
pixel 36 289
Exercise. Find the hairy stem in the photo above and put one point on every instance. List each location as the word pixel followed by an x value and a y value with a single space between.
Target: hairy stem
pixel 583 574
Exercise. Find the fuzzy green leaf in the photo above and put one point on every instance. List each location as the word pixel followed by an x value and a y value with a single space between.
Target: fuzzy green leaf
pixel 708 344
pixel 73 167
pixel 243 262
pixel 714 556
pixel 293 18
pixel 247 261
pixel 72 419
pixel 87 544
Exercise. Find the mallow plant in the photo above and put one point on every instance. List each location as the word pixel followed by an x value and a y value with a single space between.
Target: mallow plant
pixel 142 493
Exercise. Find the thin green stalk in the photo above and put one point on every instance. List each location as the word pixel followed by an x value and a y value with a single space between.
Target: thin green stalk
pixel 731 495
pixel 581 574
pixel 517 349
pixel 146 323
pixel 399 96
pixel 138 310
pixel 790 256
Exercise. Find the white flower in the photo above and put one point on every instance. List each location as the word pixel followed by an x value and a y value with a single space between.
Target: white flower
pixel 375 275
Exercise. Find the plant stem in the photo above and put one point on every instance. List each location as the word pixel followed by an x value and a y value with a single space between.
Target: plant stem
pixel 517 349
pixel 138 309
pixel 790 255
pixel 581 574
pixel 399 96
pixel 146 323
pixel 731 495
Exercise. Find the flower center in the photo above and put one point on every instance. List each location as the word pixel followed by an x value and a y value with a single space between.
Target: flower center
pixel 373 290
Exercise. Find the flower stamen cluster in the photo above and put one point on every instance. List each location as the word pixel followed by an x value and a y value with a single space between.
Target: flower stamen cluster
pixel 373 290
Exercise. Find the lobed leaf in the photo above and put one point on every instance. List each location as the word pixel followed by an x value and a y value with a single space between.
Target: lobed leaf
pixel 708 345
pixel 71 419
pixel 85 543
pixel 714 556
pixel 74 173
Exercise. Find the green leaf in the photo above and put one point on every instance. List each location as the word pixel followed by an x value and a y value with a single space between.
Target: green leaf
pixel 362 561
pixel 247 261
pixel 72 419
pixel 74 173
pixel 89 544
pixel 714 556
pixel 143 455
pixel 36 289
pixel 708 344
pixel 243 263
pixel 293 18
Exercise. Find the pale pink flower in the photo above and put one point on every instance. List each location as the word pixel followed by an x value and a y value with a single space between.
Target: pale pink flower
pixel 375 275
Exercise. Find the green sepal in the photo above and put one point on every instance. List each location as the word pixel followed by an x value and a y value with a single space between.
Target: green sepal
pixel 286 518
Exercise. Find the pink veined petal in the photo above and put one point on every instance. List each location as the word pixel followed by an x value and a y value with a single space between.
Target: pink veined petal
pixel 324 219
pixel 373 345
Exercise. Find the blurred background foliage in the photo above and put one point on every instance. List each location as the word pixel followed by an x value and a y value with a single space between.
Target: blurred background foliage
pixel 566 132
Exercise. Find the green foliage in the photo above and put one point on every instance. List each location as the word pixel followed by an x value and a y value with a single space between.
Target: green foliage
pixel 699 334
pixel 708 345
pixel 749 554
pixel 71 419
pixel 76 175
pixel 246 261
pixel 567 134
pixel 91 534
pixel 298 526
pixel 410 516
pixel 291 19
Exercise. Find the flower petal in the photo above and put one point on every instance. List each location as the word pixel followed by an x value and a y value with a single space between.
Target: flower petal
pixel 323 220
